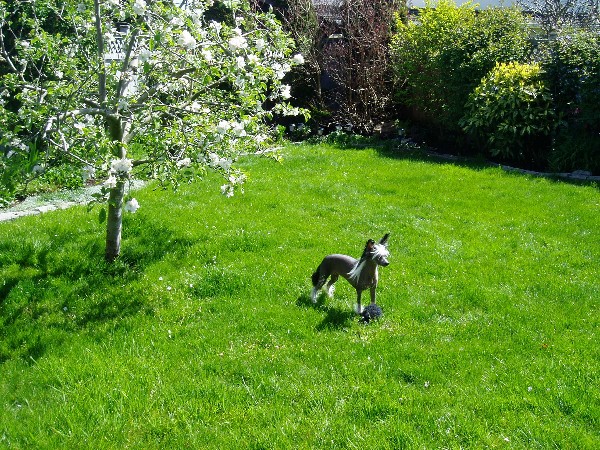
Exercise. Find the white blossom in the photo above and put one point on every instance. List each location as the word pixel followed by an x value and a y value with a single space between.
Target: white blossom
pixel 110 183
pixel 280 70
pixel 131 206
pixel 216 26
pixel 223 126
pixel 214 159
pixel 207 55
pixel 122 105
pixel 238 129
pixel 298 59
pixel 87 173
pixel 239 179
pixel 186 40
pixel 216 162
pixel 240 82
pixel 139 7
pixel 285 91
pixel 121 166
pixel 138 97
pixel 225 164
pixel 109 38
pixel 17 143
pixel 185 162
pixel 145 55
pixel 227 190
pixel 176 21
pixel 291 112
pixel 196 16
pixel 237 42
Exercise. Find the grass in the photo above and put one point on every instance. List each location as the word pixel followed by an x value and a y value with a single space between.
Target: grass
pixel 203 335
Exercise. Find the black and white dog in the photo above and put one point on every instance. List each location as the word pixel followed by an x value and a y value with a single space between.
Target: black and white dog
pixel 360 273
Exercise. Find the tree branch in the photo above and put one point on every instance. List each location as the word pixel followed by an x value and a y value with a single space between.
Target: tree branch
pixel 63 146
pixel 100 42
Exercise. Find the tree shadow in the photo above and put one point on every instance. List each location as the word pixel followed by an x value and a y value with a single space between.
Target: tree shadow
pixel 57 283
pixel 6 286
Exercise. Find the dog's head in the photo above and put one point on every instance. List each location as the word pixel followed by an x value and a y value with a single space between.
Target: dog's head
pixel 378 252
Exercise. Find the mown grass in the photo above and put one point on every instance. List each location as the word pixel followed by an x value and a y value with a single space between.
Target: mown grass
pixel 203 335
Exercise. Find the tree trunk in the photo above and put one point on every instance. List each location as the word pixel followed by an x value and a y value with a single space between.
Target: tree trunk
pixel 114 221
pixel 114 217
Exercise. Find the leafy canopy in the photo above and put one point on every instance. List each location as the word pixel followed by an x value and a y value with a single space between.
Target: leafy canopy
pixel 153 84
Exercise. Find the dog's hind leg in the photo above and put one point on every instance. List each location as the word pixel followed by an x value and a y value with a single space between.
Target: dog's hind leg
pixel 330 284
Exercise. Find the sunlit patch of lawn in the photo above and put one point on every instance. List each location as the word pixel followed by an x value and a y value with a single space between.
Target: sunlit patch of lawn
pixel 202 334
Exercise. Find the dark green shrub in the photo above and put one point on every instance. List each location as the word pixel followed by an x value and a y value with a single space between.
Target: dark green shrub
pixel 571 66
pixel 510 113
pixel 26 173
pixel 439 59
pixel 61 175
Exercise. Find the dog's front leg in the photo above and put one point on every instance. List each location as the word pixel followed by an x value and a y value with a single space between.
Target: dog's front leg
pixel 373 294
pixel 358 305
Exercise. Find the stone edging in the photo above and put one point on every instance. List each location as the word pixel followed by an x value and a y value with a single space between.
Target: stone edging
pixel 10 215
pixel 32 206
pixel 578 175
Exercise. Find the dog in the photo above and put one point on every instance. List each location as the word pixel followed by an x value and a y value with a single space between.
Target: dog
pixel 361 273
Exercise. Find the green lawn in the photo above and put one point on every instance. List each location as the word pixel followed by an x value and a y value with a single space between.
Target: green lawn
pixel 203 335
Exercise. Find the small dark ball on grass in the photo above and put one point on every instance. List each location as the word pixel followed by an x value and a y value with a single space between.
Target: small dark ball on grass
pixel 371 312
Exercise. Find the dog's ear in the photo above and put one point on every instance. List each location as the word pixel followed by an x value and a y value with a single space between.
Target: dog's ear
pixel 368 249
pixel 384 239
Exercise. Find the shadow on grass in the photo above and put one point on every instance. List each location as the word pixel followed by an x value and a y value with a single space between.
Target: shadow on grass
pixel 335 318
pixel 392 150
pixel 396 150
pixel 56 282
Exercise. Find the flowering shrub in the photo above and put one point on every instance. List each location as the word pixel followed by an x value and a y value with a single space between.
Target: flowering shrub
pixel 441 58
pixel 169 94
pixel 511 113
